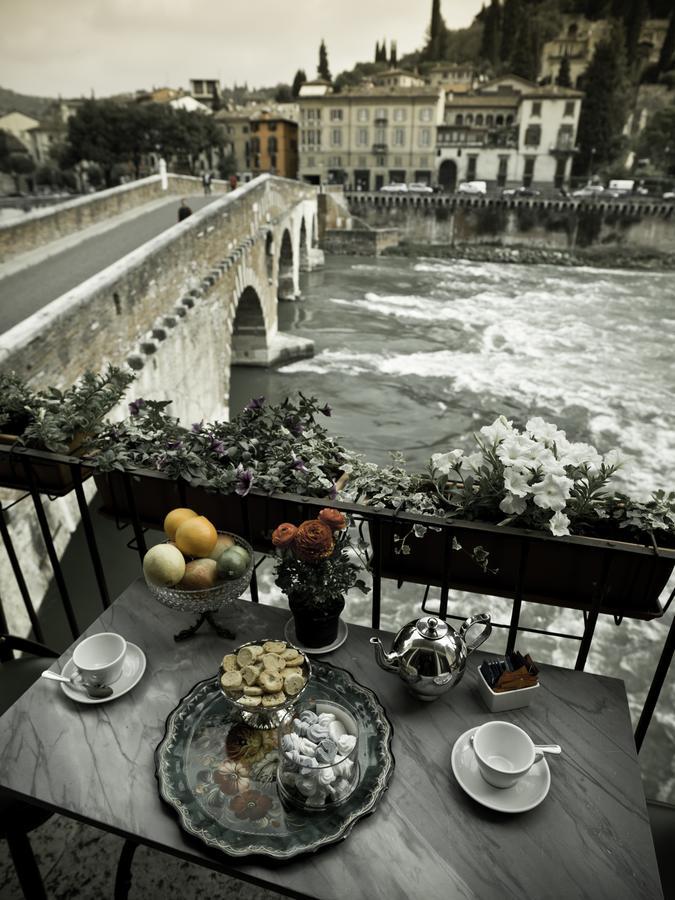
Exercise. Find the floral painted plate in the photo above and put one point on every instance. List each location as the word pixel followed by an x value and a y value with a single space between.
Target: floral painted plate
pixel 220 774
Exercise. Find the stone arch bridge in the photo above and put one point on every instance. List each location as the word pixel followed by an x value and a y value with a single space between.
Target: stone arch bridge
pixel 186 305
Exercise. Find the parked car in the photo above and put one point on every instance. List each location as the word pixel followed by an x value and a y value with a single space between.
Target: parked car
pixel 395 188
pixel 589 190
pixel 472 187
pixel 419 187
pixel 669 195
pixel 521 191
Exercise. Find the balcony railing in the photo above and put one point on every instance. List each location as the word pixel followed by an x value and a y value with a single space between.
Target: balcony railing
pixel 139 500
pixel 380 148
pixel 381 122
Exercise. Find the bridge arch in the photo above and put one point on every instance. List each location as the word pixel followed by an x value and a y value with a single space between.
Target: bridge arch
pixel 303 247
pixel 249 331
pixel 285 273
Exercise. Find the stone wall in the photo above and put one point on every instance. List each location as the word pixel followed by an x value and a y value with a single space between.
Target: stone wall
pixel 41 226
pixel 563 224
pixel 359 241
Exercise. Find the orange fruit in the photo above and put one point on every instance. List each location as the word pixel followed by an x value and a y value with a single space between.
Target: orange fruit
pixel 196 536
pixel 175 518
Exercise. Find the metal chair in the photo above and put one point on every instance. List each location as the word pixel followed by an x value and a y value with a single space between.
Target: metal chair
pixel 18 819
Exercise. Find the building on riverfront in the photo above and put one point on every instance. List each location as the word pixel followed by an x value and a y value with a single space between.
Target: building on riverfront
pixel 506 132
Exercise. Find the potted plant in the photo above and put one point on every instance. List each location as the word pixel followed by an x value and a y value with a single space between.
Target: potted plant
pixel 266 448
pixel 533 515
pixel 55 422
pixel 315 569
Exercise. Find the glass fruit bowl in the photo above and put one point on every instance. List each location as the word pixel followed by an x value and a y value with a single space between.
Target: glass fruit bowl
pixel 204 602
pixel 270 715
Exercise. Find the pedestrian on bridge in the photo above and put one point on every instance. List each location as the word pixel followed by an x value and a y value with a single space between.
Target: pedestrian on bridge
pixel 183 210
pixel 206 181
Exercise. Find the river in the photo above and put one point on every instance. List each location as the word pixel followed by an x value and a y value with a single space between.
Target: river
pixel 416 354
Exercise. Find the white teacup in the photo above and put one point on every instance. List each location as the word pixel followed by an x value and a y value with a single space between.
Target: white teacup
pixel 99 659
pixel 504 753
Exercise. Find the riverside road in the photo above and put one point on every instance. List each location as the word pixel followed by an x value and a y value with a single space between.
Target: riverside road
pixel 28 290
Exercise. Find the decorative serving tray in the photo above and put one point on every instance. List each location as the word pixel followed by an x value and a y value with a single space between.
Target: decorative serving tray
pixel 219 774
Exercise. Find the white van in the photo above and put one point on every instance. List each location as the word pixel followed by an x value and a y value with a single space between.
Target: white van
pixel 472 187
pixel 619 187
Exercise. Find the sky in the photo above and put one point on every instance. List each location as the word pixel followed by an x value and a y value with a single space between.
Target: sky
pixel 73 47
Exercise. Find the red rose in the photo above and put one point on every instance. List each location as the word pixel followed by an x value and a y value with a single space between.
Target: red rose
pixel 313 541
pixel 284 535
pixel 333 518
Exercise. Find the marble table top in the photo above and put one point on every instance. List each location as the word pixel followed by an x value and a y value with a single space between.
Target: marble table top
pixel 589 838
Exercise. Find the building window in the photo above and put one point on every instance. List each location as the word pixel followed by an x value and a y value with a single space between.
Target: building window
pixel 509 120
pixel 271 126
pixel 424 138
pixel 313 113
pixel 472 162
pixel 254 126
pixel 459 119
pixel 336 137
pixel 381 113
pixel 271 145
pixel 336 115
pixel 489 120
pixel 380 135
pixel 533 135
pixel 273 161
pixel 565 137
pixel 499 121
pixel 479 119
pixel 399 114
pixel 334 161
pixel 362 115
pixel 362 137
pixel 569 108
pixel 528 171
pixel 426 114
pixel 399 137
pixel 502 170
pixel 536 108
pixel 469 119
pixel 255 145
pixel 380 161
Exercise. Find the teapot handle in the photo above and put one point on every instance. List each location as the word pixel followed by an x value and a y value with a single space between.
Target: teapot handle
pixel 480 619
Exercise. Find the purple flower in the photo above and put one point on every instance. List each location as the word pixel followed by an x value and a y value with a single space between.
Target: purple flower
pixel 298 464
pixel 333 492
pixel 198 427
pixel 326 410
pixel 218 447
pixel 174 445
pixel 244 480
pixel 136 406
pixel 256 403
pixel 294 426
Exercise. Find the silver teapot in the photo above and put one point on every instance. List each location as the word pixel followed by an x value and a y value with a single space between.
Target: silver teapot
pixel 429 655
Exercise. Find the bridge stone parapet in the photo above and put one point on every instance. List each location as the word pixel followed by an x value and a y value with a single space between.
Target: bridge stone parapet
pixel 563 223
pixel 185 305
pixel 42 226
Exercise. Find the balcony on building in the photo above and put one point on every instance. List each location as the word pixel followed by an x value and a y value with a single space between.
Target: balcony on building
pixel 380 148
pixel 381 121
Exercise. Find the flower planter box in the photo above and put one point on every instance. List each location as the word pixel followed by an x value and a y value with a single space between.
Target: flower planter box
pixel 52 472
pixel 155 494
pixel 558 571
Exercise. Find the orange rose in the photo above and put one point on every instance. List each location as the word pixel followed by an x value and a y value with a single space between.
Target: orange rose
pixel 313 541
pixel 284 535
pixel 333 518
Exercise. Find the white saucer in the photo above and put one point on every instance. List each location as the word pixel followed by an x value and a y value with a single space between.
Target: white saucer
pixel 289 634
pixel 525 794
pixel 132 672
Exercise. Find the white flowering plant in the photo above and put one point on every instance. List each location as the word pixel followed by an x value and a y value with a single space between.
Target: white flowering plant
pixel 537 478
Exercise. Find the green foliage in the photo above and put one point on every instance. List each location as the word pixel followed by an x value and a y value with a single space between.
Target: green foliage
pixel 525 58
pixel 54 420
pixel 657 141
pixel 492 30
pixel 283 94
pixel 436 48
pixel 564 78
pixel 512 20
pixel 299 79
pixel 323 68
pixel 603 112
pixel 668 48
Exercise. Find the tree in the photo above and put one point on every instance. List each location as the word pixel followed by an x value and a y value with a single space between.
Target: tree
pixel 657 141
pixel 525 59
pixel 298 81
pixel 20 164
pixel 564 78
pixel 605 105
pixel 634 17
pixel 437 35
pixel 322 68
pixel 393 55
pixel 668 47
pixel 492 24
pixel 283 94
pixel 512 20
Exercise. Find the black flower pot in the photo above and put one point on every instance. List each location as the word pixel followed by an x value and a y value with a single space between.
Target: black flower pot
pixel 316 628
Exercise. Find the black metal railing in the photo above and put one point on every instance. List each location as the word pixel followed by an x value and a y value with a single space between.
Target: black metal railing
pixel 593 576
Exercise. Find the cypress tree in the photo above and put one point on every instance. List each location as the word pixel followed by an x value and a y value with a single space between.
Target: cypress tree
pixel 437 35
pixel 564 78
pixel 604 109
pixel 668 48
pixel 393 55
pixel 322 68
pixel 525 59
pixel 512 19
pixel 491 40
pixel 377 51
pixel 635 15
pixel 298 81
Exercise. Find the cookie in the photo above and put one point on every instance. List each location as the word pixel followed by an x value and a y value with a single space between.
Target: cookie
pixel 297 660
pixel 293 684
pixel 289 653
pixel 274 699
pixel 292 670
pixel 247 700
pixel 250 673
pixel 270 682
pixel 273 663
pixel 253 690
pixel 274 647
pixel 229 663
pixel 231 680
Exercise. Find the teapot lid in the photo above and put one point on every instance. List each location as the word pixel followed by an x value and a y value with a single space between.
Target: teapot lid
pixel 432 627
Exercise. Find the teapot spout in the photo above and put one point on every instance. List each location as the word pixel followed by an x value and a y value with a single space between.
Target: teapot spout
pixel 388 661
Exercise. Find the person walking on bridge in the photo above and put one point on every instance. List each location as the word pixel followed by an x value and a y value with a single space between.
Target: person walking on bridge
pixel 206 181
pixel 183 210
